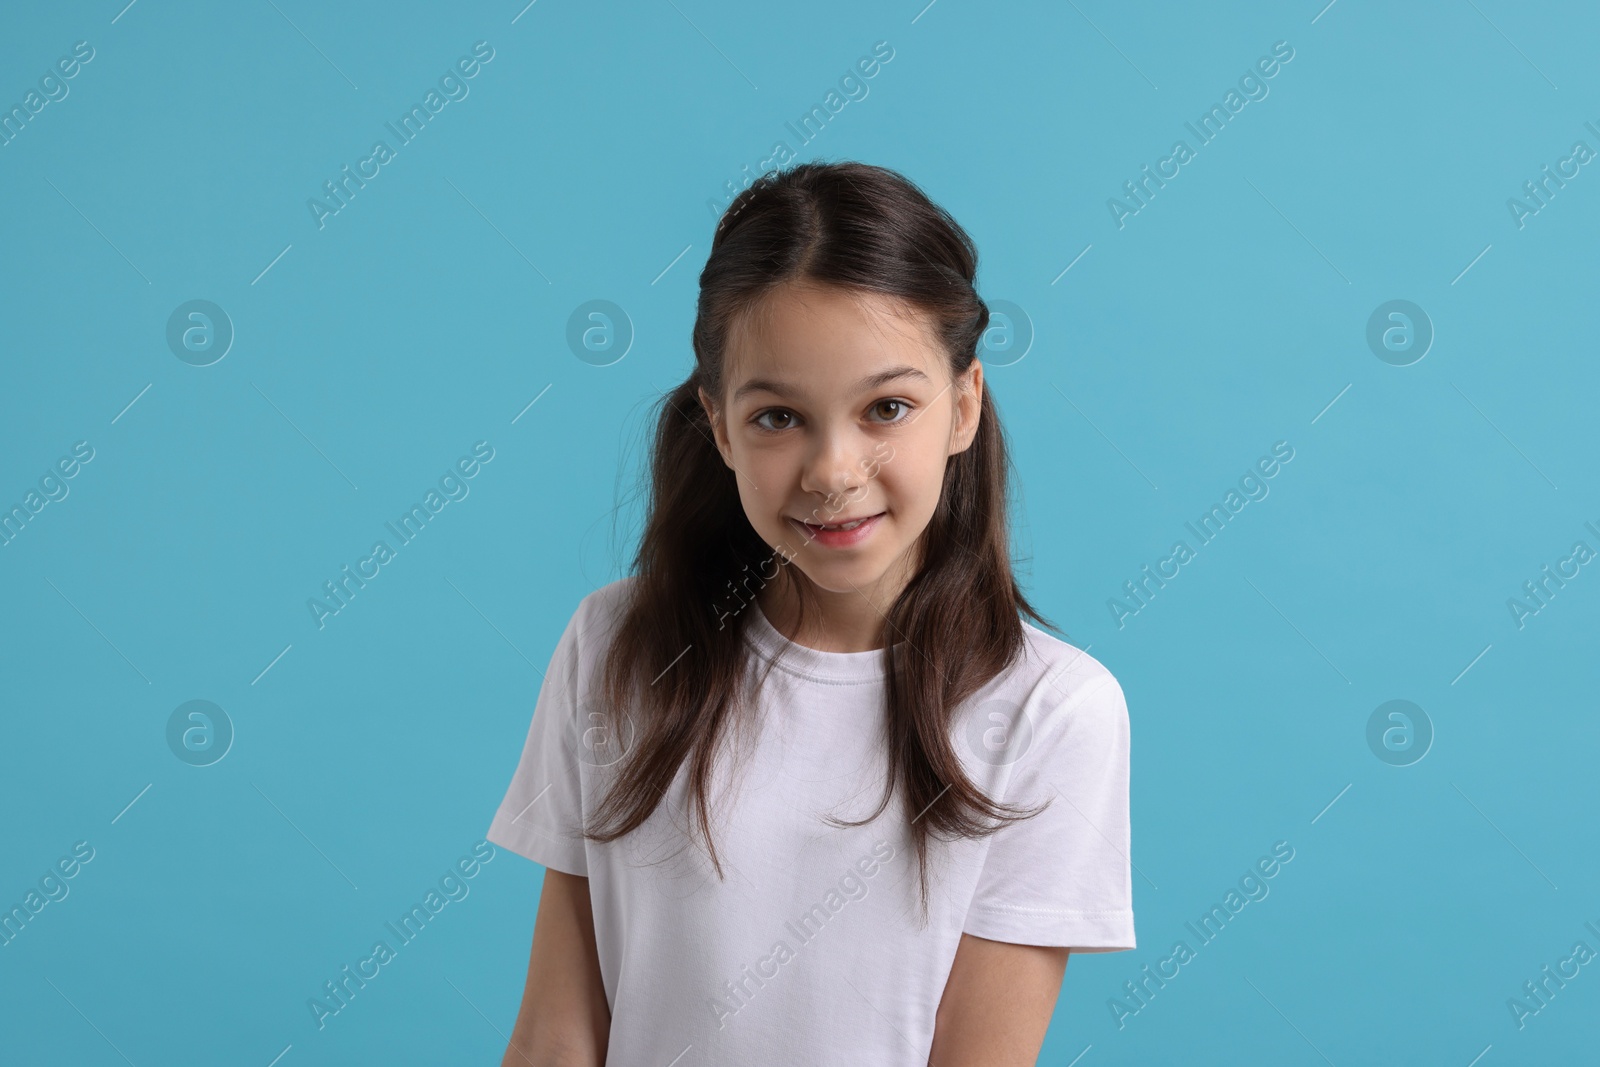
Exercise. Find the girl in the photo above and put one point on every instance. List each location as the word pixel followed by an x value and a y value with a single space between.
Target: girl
pixel 808 788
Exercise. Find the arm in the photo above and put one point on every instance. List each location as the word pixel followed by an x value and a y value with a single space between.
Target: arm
pixel 997 1004
pixel 564 1020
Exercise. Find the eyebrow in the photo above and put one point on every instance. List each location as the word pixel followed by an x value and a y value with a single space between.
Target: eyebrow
pixel 871 381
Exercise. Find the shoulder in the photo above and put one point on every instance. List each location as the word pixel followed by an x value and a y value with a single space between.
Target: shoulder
pixel 1068 677
pixel 1056 714
pixel 603 608
pixel 593 623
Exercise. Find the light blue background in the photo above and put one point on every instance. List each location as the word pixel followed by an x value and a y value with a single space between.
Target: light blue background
pixel 425 316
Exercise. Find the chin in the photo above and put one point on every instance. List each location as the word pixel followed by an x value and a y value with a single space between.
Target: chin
pixel 842 576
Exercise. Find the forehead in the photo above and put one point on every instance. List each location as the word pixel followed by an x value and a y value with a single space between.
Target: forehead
pixel 811 341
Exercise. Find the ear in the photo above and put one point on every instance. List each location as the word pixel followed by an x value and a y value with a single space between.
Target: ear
pixel 719 431
pixel 969 405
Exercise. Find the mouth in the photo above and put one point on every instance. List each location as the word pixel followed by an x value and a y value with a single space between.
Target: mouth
pixel 839 534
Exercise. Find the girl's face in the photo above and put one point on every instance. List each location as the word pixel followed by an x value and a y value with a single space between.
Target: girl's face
pixel 840 406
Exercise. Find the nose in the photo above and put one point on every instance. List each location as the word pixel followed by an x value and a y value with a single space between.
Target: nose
pixel 833 468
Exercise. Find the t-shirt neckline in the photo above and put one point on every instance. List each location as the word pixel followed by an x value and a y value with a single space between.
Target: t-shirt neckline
pixel 812 663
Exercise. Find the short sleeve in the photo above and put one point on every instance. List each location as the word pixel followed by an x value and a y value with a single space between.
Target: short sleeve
pixel 1063 877
pixel 542 812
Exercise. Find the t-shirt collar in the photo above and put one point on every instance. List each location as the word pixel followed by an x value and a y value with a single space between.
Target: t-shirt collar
pixel 839 668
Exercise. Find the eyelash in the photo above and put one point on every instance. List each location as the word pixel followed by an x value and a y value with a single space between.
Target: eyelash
pixel 755 419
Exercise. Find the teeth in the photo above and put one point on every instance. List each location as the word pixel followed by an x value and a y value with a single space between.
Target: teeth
pixel 846 526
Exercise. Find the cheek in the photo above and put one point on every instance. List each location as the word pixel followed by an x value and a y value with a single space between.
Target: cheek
pixel 903 493
pixel 912 492
pixel 915 470
pixel 757 508
pixel 772 468
pixel 763 480
pixel 748 455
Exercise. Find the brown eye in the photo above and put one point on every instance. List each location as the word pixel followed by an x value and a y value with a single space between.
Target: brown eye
pixel 900 405
pixel 776 413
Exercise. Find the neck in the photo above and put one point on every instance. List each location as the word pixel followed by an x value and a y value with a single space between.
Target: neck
pixel 847 620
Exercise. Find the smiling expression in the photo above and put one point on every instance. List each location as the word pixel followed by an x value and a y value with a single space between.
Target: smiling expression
pixel 840 406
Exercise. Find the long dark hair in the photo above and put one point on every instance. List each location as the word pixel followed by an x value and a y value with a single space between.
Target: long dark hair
pixel 673 673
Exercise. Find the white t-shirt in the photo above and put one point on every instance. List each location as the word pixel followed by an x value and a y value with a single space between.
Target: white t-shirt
pixel 811 951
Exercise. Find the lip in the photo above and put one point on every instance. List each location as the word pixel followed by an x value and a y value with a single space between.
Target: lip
pixel 839 538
